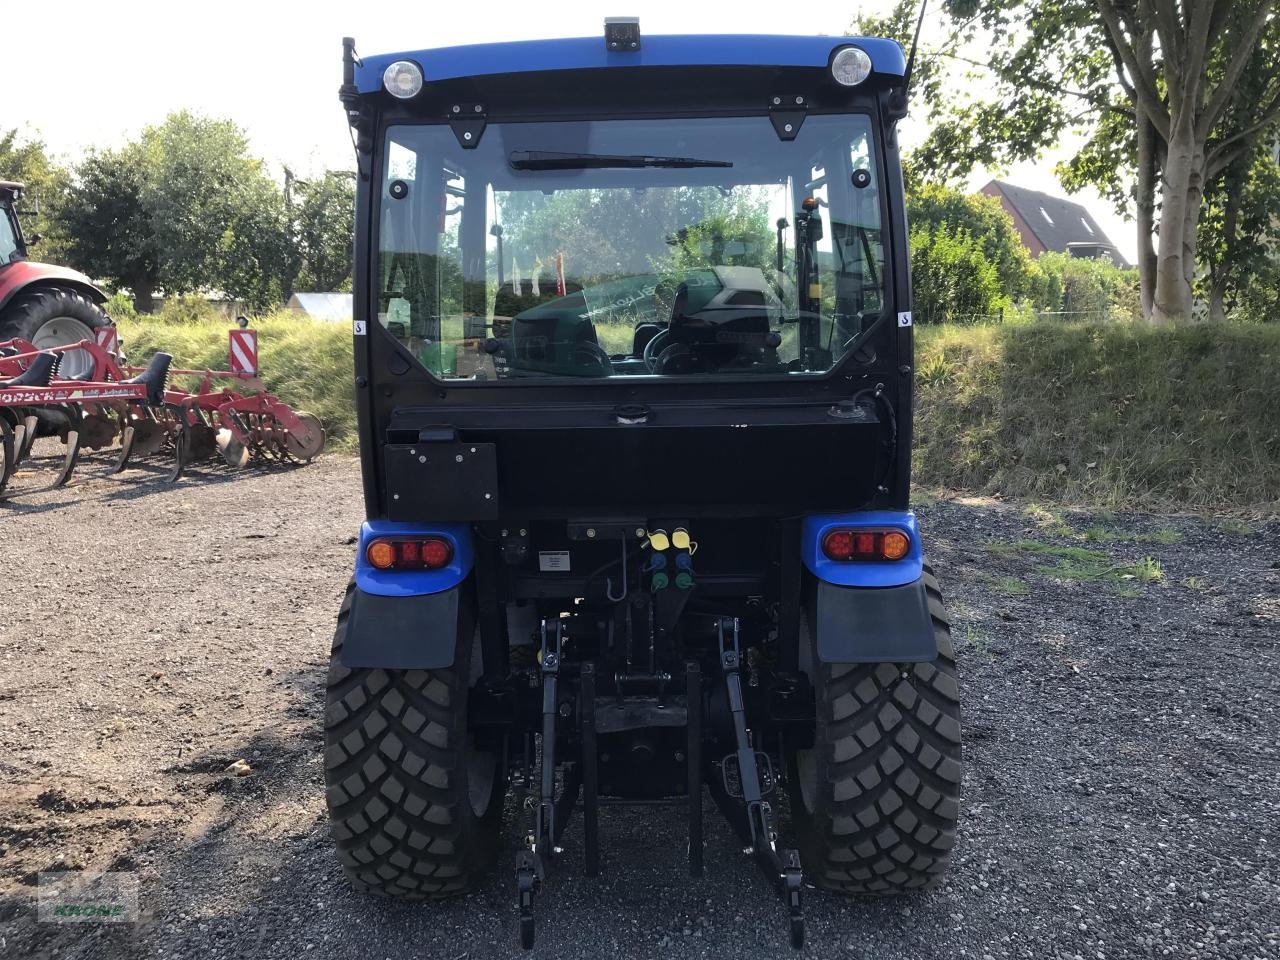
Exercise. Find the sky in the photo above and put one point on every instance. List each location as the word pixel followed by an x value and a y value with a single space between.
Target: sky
pixel 274 67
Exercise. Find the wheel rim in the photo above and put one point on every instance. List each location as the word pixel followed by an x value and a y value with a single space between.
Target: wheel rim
pixel 58 332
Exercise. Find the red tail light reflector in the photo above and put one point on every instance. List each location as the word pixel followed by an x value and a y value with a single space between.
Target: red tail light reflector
pixel 409 553
pixel 844 545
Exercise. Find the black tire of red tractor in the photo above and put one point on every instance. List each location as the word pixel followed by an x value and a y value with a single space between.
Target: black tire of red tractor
pixel 28 312
pixel 877 814
pixel 397 774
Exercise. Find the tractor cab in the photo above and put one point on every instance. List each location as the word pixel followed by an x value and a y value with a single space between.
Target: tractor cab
pixel 12 246
pixel 633 370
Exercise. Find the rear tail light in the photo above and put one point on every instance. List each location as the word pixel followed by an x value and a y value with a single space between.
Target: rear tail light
pixel 409 553
pixel 866 545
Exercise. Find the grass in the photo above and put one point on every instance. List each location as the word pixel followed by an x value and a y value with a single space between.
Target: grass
pixel 1235 527
pixel 1106 415
pixel 1010 585
pixel 1101 534
pixel 1081 563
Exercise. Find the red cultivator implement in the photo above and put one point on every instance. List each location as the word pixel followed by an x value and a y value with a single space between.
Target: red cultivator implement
pixel 148 415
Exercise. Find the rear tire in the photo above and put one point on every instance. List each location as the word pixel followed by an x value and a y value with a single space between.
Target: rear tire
pixel 53 317
pixel 875 801
pixel 415 809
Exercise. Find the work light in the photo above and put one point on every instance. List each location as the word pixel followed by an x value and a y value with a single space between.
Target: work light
pixel 403 79
pixel 850 66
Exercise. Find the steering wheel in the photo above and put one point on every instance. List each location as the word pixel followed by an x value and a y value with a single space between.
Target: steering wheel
pixel 657 343
pixel 587 354
pixel 676 359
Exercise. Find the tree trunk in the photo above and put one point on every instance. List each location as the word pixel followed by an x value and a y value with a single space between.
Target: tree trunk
pixel 1217 302
pixel 143 296
pixel 1180 194
pixel 1146 208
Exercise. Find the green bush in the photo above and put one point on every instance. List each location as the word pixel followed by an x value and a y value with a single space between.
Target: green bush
pixel 954 281
pixel 1102 412
pixel 1074 288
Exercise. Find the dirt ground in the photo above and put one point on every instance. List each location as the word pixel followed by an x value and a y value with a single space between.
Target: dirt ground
pixel 1122 714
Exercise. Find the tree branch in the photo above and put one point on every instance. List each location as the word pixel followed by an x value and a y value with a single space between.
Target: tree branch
pixel 1245 137
pixel 1199 28
pixel 1235 67
pixel 1148 96
pixel 1100 102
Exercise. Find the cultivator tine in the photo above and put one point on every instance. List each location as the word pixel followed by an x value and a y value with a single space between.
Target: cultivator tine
pixel 126 448
pixel 181 449
pixel 8 453
pixel 72 453
pixel 28 435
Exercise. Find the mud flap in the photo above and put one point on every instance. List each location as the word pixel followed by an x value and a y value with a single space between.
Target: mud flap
pixel 402 633
pixel 874 624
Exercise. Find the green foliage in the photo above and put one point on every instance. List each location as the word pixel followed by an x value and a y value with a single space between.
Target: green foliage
pixel 186 209
pixel 324 216
pixel 1083 289
pixel 26 162
pixel 953 280
pixel 933 206
pixel 1103 413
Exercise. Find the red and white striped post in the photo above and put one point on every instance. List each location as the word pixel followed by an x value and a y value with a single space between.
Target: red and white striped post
pixel 242 351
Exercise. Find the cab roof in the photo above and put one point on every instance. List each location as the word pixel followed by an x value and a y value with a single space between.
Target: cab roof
pixel 591 53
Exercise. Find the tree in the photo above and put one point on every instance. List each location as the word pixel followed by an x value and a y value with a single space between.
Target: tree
pixel 184 208
pixel 322 214
pixel 1171 92
pixel 107 227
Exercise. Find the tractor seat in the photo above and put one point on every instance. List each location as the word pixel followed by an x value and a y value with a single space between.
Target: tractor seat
pixel 155 377
pixel 38 374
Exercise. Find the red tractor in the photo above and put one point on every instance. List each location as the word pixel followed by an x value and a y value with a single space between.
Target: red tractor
pixel 46 305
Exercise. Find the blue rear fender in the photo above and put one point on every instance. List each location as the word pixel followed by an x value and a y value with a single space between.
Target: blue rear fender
pixel 867 611
pixel 401 620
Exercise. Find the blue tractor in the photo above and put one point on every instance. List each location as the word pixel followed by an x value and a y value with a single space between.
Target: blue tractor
pixel 633 369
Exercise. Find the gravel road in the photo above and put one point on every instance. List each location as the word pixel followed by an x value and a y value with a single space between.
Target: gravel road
pixel 1122 791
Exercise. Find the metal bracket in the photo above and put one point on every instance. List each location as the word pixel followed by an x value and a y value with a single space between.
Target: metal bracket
pixel 467 120
pixel 757 827
pixel 787 112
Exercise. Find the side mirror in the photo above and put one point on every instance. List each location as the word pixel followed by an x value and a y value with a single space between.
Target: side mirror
pixel 33 239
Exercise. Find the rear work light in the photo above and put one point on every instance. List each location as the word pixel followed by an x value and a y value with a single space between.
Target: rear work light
pixel 403 79
pixel 409 553
pixel 866 545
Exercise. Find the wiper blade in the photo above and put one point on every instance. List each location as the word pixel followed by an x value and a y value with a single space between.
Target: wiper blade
pixel 550 160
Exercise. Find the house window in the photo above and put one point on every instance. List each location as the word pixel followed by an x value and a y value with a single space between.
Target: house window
pixel 1085 224
pixel 1045 213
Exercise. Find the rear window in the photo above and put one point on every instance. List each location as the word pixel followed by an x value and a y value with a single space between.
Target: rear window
pixel 631 248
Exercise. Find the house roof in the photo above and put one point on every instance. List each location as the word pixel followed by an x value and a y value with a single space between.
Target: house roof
pixel 1057 223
